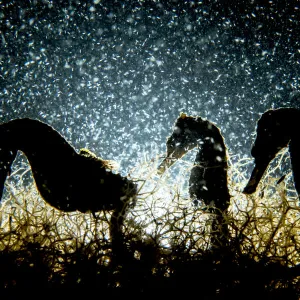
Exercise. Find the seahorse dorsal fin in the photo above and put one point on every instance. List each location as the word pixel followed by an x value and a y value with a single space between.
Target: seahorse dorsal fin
pixel 183 115
pixel 108 164
pixel 87 152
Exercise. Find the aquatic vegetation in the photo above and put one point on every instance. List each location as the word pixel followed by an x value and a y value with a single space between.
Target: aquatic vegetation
pixel 167 239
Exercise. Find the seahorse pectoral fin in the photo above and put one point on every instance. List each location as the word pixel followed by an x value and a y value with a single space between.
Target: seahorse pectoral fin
pixel 255 178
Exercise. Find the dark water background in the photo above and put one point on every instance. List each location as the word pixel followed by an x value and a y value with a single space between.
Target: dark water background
pixel 113 76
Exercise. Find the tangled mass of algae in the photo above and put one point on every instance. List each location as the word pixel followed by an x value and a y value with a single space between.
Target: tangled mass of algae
pixel 167 238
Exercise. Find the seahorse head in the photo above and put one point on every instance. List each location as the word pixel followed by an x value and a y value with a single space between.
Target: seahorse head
pixel 273 133
pixel 183 138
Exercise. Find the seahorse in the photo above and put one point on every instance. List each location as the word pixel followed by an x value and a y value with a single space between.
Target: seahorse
pixel 276 129
pixel 208 180
pixel 66 179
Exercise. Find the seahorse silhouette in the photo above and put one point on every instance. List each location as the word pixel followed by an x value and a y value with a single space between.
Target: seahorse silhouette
pixel 67 180
pixel 208 179
pixel 275 130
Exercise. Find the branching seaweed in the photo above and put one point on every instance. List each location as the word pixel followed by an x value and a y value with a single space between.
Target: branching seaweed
pixel 167 240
